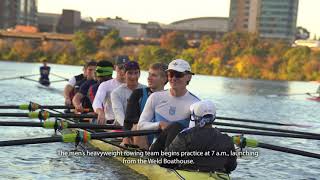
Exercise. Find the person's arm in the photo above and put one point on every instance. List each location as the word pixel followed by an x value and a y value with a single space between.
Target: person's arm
pixel 117 106
pixel 77 99
pixel 67 91
pixel 132 114
pixel 147 115
pixel 98 104
pixel 77 102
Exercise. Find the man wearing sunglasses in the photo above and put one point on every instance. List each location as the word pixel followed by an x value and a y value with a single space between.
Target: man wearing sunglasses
pixel 120 96
pixel 102 101
pixel 169 108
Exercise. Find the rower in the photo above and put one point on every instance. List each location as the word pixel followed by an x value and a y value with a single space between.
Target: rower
pixel 102 101
pixel 318 91
pixel 76 81
pixel 203 138
pixel 44 74
pixel 157 79
pixel 120 96
pixel 89 88
pixel 169 107
pixel 81 100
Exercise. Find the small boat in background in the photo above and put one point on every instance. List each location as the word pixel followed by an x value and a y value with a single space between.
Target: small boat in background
pixel 314 98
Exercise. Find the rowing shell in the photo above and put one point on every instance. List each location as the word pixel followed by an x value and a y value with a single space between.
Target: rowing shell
pixel 152 171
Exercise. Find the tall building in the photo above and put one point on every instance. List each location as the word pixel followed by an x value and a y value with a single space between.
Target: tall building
pixel 18 12
pixel 269 18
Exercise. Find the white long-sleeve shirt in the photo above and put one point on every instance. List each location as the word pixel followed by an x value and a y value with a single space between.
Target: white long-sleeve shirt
pixel 102 99
pixel 162 106
pixel 119 100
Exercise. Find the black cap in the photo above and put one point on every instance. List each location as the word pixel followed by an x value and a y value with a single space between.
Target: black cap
pixel 122 60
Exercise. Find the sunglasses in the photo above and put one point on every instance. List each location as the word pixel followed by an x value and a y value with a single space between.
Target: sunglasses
pixel 176 74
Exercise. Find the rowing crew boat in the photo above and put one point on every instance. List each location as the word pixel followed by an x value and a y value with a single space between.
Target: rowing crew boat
pixel 150 170
pixel 154 171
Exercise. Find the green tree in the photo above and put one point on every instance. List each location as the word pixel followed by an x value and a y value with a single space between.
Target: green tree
pixel 152 54
pixel 83 44
pixel 111 41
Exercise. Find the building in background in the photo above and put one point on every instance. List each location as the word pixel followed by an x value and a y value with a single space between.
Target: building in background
pixel 269 18
pixel 18 12
pixel 69 21
pixel 48 22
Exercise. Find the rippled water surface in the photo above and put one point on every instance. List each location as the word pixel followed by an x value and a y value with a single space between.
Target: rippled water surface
pixel 252 99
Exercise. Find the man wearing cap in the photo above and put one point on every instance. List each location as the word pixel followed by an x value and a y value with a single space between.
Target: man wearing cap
pixel 75 82
pixel 102 102
pixel 170 106
pixel 204 138
pixel 120 96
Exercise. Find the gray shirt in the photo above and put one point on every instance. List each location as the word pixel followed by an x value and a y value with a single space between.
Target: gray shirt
pixel 119 100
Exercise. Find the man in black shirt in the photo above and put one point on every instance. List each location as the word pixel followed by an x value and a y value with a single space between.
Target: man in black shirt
pixel 157 79
pixel 44 74
pixel 87 91
pixel 75 82
pixel 204 138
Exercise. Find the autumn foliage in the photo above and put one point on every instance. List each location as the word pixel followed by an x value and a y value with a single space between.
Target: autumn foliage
pixel 236 54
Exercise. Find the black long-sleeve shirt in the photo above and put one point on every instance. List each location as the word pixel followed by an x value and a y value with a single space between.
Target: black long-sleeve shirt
pixel 203 140
pixel 133 110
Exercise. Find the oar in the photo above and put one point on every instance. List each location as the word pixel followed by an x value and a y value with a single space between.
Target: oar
pixel 29 79
pixel 64 79
pixel 18 77
pixel 33 106
pixel 293 94
pixel 57 81
pixel 58 125
pixel 43 115
pixel 260 122
pixel 265 128
pixel 81 136
pixel 266 133
pixel 243 142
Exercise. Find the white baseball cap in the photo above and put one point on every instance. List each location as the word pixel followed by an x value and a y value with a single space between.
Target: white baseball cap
pixel 180 65
pixel 203 108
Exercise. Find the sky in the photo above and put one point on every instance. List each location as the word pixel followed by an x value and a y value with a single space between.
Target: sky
pixel 168 11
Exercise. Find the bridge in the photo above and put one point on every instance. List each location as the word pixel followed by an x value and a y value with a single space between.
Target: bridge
pixel 36 36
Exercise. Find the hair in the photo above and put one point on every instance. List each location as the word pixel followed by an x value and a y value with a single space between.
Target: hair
pixel 162 67
pixel 105 63
pixel 90 63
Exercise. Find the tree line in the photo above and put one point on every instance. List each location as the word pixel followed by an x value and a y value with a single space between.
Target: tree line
pixel 236 54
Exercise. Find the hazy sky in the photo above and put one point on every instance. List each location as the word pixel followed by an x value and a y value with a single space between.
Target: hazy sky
pixel 167 11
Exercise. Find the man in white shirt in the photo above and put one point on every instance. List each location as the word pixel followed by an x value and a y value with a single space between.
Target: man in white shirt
pixel 102 102
pixel 170 106
pixel 120 96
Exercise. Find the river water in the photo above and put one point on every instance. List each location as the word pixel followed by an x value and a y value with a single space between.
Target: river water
pixel 251 99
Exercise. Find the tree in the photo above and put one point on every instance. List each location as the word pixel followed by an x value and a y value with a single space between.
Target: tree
pixel 83 44
pixel 111 41
pixel 152 54
pixel 173 41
